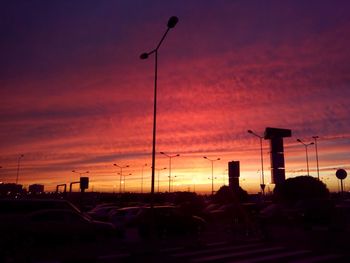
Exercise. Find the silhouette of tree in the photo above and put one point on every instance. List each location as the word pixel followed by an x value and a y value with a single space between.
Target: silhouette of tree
pixel 300 188
pixel 226 195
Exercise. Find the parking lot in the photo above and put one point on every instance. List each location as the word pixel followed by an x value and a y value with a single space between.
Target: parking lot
pixel 56 231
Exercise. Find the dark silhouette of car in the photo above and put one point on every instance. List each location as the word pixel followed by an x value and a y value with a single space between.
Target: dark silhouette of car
pixel 47 221
pixel 168 221
pixel 25 206
pixel 125 217
pixel 62 225
pixel 102 213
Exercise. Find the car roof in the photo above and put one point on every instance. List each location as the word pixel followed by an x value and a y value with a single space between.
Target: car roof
pixel 18 206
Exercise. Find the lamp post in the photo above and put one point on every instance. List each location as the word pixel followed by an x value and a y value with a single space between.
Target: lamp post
pixel 212 172
pixel 80 173
pixel 194 184
pixel 318 169
pixel 121 175
pixel 170 157
pixel 18 164
pixel 158 176
pixel 173 182
pixel 125 181
pixel 262 180
pixel 307 158
pixel 223 176
pixel 142 177
pixel 171 24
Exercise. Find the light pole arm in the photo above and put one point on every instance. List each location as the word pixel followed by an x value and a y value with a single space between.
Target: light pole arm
pixel 162 39
pixel 262 163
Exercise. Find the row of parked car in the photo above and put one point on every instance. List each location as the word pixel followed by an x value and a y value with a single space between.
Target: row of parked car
pixel 168 219
pixel 51 221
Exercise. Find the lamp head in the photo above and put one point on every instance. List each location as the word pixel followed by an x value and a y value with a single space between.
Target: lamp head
pixel 172 21
pixel 144 56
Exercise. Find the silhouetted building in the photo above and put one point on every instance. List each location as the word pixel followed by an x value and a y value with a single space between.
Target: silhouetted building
pixel 276 136
pixel 36 188
pixel 233 175
pixel 10 189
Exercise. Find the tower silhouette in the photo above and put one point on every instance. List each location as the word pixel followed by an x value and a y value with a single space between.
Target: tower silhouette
pixel 276 135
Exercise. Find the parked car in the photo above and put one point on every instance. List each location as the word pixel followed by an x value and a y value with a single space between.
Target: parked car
pixel 25 206
pixel 125 217
pixel 101 213
pixel 62 225
pixel 47 221
pixel 168 221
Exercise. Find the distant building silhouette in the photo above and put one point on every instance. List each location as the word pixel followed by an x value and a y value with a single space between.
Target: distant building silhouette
pixel 276 136
pixel 36 188
pixel 11 188
pixel 233 175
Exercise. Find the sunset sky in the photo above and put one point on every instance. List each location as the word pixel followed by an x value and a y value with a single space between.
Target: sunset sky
pixel 75 95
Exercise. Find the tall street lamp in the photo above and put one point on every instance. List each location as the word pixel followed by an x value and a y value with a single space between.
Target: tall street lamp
pixel 121 175
pixel 170 157
pixel 307 158
pixel 125 181
pixel 80 173
pixel 18 164
pixel 158 175
pixel 171 24
pixel 262 180
pixel 318 169
pixel 142 177
pixel 212 172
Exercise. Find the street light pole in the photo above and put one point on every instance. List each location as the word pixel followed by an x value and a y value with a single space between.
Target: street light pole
pixel 318 169
pixel 262 185
pixel 142 177
pixel 171 24
pixel 125 181
pixel 307 158
pixel 158 176
pixel 170 157
pixel 121 175
pixel 18 163
pixel 212 172
pixel 80 173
